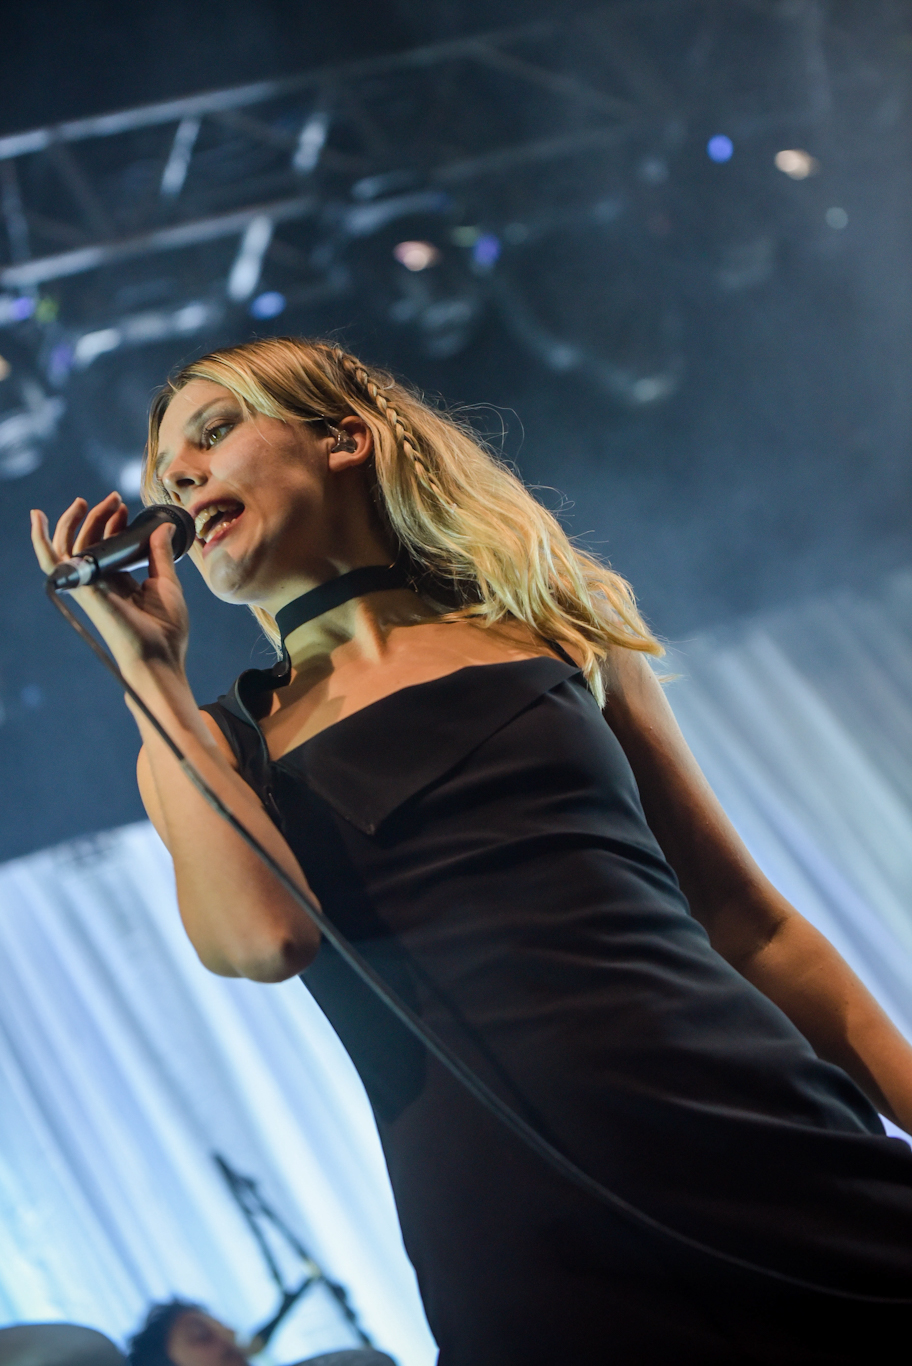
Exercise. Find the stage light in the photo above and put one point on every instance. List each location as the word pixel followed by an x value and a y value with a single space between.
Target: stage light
pixel 191 317
pixel 486 250
pixel 60 362
pixel 5 368
pixel 268 305
pixel 178 163
pixel 129 478
pixel 837 218
pixel 720 148
pixel 797 164
pixel 136 329
pixel 16 308
pixel 245 273
pixel 91 345
pixel 24 432
pixel 465 236
pixel 652 389
pixel 416 255
pixel 311 142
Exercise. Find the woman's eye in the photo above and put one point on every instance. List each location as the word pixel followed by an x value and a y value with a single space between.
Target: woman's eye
pixel 213 435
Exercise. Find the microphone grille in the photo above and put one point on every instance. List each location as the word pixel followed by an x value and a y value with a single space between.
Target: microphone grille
pixel 184 526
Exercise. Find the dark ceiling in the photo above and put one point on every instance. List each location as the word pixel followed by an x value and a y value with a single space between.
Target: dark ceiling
pixel 702 362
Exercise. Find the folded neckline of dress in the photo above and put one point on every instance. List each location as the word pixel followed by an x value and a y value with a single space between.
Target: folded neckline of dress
pixel 366 764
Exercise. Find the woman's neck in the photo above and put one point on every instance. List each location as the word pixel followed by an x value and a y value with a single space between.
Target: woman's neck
pixel 359 628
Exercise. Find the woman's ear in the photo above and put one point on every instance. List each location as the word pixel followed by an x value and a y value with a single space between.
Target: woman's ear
pixel 351 443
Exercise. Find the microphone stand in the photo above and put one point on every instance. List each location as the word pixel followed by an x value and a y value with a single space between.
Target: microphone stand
pixel 256 1211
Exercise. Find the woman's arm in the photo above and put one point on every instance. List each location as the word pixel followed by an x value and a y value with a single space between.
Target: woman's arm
pixel 749 923
pixel 241 922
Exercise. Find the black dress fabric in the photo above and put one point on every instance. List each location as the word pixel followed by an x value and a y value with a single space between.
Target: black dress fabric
pixel 481 840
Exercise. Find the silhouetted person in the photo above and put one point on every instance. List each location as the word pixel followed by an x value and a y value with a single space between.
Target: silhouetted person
pixel 180 1333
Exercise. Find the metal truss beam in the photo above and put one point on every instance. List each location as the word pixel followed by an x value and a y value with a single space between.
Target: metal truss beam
pixel 94 229
pixel 30 273
pixel 259 92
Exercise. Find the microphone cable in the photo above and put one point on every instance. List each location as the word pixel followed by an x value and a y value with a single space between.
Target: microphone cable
pixel 438 1047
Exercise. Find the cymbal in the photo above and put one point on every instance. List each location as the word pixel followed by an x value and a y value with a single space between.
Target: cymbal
pixel 56 1344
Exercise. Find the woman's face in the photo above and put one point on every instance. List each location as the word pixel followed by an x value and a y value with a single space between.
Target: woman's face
pixel 270 515
pixel 197 1339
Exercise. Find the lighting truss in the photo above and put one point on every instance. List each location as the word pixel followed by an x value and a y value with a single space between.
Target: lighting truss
pixel 300 182
pixel 178 222
pixel 283 130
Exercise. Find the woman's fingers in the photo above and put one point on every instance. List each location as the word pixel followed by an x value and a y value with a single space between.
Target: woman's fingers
pixel 105 519
pixel 93 528
pixel 161 556
pixel 137 621
pixel 116 522
pixel 41 541
pixel 65 530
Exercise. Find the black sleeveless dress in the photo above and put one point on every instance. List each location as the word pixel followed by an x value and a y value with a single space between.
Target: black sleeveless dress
pixel 480 838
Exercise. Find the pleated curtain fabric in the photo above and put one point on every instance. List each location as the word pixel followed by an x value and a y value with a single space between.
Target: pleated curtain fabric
pixel 123 1066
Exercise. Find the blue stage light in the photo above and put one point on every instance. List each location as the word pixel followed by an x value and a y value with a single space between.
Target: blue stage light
pixel 21 308
pixel 268 305
pixel 486 249
pixel 60 362
pixel 720 148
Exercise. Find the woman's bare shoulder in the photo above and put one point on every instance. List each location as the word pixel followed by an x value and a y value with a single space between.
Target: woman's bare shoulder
pixel 504 640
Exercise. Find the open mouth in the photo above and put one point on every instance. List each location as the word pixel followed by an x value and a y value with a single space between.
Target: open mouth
pixel 215 520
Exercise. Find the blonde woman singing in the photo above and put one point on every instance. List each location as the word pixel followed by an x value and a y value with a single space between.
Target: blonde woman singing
pixel 464 755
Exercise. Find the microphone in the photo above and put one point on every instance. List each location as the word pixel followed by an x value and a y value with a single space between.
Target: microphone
pixel 129 549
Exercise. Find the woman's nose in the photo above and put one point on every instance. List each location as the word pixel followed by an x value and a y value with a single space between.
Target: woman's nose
pixel 182 476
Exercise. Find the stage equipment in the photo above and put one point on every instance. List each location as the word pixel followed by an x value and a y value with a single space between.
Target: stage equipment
pixel 551 177
pixel 343 442
pixel 260 1216
pixel 129 549
pixel 436 1046
pixel 169 223
pixel 56 1344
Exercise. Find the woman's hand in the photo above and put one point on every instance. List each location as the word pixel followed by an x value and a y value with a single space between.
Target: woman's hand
pixel 141 623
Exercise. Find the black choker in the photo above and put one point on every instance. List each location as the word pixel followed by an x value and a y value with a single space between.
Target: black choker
pixel 372 578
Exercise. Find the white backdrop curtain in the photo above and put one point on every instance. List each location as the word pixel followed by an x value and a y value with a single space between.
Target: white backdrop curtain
pixel 123 1064
pixel 802 722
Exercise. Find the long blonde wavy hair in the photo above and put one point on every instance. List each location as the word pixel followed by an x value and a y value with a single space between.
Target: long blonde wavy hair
pixel 465 522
